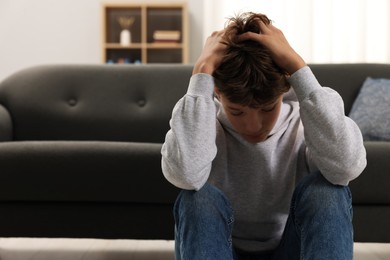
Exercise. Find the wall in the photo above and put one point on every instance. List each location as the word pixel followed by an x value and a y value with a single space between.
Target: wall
pixel 65 31
pixel 331 31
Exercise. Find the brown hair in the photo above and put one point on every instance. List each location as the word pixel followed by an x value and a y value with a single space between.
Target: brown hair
pixel 247 74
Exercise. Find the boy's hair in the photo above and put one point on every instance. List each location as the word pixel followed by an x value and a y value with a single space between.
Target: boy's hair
pixel 247 74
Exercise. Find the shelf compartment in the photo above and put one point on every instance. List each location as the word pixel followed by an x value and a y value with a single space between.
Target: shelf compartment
pixel 164 55
pixel 164 19
pixel 113 27
pixel 123 55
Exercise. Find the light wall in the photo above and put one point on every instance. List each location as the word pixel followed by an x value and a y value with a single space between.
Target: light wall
pixel 36 32
pixel 65 31
pixel 331 31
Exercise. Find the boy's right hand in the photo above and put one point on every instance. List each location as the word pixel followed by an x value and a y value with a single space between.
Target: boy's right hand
pixel 212 54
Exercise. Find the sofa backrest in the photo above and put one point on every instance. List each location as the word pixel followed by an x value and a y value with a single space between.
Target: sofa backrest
pixel 347 79
pixel 122 102
pixel 92 102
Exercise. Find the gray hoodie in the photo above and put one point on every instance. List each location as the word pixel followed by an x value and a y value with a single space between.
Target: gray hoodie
pixel 311 134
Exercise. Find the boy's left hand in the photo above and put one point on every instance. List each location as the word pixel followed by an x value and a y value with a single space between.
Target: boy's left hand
pixel 275 41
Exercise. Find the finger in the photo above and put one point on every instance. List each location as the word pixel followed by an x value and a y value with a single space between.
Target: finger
pixel 221 32
pixel 250 36
pixel 215 33
pixel 264 28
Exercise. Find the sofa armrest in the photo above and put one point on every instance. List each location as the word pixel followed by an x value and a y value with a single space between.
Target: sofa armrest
pixel 5 125
pixel 371 187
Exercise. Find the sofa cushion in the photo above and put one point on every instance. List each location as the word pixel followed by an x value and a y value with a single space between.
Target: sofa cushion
pixel 83 171
pixel 371 110
pixel 372 186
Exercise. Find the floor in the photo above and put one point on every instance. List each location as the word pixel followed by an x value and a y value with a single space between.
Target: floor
pixel 100 249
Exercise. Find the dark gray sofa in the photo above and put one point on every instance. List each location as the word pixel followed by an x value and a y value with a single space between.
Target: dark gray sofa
pixel 80 151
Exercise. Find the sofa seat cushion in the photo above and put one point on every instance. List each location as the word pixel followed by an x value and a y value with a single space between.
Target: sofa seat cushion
pixel 90 171
pixel 372 186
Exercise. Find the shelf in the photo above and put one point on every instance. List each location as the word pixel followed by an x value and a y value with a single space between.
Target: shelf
pixel 164 45
pixel 146 24
pixel 119 46
pixel 141 45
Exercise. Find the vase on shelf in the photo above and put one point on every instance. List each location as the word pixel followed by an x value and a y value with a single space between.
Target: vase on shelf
pixel 125 35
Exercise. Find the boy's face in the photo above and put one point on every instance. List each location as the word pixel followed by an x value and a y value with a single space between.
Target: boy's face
pixel 253 124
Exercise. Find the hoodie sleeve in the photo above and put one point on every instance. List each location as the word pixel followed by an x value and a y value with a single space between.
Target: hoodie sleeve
pixel 334 141
pixel 189 147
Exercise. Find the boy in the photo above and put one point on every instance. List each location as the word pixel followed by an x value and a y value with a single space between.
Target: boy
pixel 262 152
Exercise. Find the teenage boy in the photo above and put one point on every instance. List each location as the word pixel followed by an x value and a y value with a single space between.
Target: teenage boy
pixel 262 152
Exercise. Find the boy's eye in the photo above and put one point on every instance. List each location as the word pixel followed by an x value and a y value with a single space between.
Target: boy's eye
pixel 236 113
pixel 268 109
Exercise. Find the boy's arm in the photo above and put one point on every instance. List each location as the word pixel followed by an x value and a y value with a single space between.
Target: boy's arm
pixel 189 147
pixel 334 141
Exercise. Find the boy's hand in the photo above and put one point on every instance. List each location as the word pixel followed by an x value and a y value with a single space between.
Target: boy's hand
pixel 211 55
pixel 274 40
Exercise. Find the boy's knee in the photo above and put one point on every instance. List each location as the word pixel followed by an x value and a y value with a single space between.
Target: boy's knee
pixel 207 200
pixel 317 193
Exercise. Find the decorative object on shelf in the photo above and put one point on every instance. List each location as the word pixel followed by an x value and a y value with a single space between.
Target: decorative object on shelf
pixel 166 36
pixel 125 35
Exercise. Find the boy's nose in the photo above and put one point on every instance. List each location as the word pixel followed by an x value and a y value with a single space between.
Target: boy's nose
pixel 254 123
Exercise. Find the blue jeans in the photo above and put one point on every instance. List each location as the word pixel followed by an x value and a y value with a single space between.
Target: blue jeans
pixel 319 225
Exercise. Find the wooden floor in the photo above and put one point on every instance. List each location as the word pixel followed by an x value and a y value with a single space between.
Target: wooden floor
pixel 100 249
